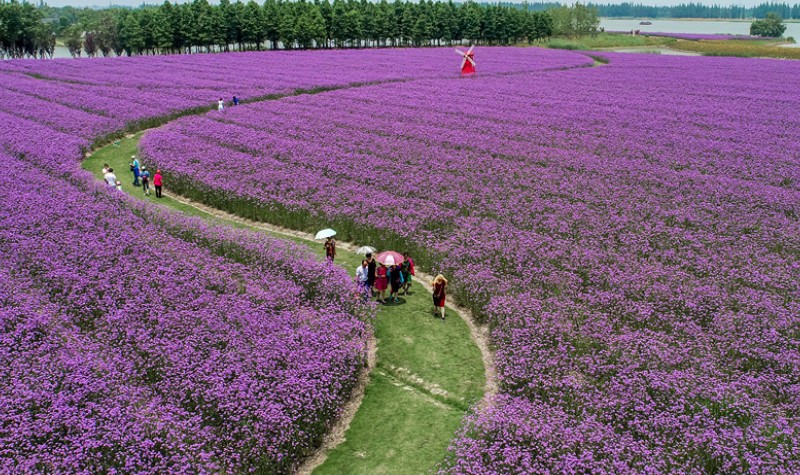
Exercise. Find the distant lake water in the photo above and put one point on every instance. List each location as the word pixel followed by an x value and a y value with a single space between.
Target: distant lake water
pixel 712 27
pixel 720 27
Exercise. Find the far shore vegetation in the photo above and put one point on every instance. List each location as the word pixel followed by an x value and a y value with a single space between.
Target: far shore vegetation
pixel 767 48
pixel 607 40
pixel 742 49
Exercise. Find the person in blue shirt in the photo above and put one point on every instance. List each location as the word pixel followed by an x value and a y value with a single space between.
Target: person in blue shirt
pixel 235 101
pixel 135 170
pixel 395 281
pixel 145 176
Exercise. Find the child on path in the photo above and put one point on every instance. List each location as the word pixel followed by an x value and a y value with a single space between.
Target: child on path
pixel 157 181
pixel 145 175
pixel 439 285
pixel 119 185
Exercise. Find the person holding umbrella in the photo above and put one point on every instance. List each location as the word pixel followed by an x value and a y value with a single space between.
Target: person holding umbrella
pixel 330 248
pixel 330 244
pixel 439 285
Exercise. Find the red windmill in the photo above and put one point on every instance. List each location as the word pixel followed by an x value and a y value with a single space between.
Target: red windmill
pixel 468 63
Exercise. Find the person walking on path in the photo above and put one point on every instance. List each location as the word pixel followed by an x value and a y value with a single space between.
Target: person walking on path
pixel 220 104
pixel 110 178
pixel 330 249
pixel 157 181
pixel 145 175
pixel 363 280
pixel 439 285
pixel 235 101
pixel 381 282
pixel 407 268
pixel 371 266
pixel 395 281
pixel 135 170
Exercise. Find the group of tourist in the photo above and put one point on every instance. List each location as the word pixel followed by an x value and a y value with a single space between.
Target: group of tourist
pixel 141 173
pixel 374 279
pixel 141 177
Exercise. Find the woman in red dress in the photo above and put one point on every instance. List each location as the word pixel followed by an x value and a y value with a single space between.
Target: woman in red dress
pixel 381 282
pixel 439 285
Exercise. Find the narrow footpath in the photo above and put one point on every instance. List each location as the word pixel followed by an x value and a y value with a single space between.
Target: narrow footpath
pixel 424 373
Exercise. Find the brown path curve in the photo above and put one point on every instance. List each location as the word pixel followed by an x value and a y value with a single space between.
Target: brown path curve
pixel 335 436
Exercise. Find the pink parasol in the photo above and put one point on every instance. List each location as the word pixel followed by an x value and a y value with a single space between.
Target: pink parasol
pixel 389 258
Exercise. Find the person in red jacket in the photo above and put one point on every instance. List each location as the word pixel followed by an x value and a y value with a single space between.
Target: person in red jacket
pixel 157 181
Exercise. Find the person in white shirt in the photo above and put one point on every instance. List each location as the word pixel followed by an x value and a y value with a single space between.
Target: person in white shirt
pixel 220 104
pixel 362 279
pixel 110 178
pixel 119 185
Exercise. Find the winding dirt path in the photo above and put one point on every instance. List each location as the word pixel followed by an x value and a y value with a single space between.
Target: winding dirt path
pixel 336 435
pixel 479 333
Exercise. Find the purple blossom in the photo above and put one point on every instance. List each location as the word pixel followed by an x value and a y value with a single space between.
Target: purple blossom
pixel 629 231
pixel 634 248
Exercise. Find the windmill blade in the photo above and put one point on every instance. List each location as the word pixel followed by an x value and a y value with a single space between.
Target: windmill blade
pixel 464 61
pixel 470 60
pixel 460 52
pixel 470 49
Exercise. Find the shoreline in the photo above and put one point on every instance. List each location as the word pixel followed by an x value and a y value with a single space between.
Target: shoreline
pixel 714 20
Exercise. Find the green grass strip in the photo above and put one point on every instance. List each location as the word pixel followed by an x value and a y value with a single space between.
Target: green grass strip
pixel 428 372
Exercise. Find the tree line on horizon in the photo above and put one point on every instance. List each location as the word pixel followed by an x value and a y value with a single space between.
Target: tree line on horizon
pixel 697 10
pixel 682 10
pixel 199 26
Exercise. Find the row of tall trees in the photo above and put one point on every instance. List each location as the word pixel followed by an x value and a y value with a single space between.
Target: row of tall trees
pixel 577 20
pixel 201 26
pixel 23 32
pixel 697 10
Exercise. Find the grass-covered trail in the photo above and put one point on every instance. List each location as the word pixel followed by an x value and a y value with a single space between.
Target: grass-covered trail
pixel 428 372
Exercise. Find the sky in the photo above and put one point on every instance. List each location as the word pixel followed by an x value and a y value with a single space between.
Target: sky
pixel 89 3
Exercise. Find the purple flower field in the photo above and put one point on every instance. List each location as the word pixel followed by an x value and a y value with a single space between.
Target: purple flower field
pixel 143 342
pixel 92 97
pixel 139 342
pixel 631 232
